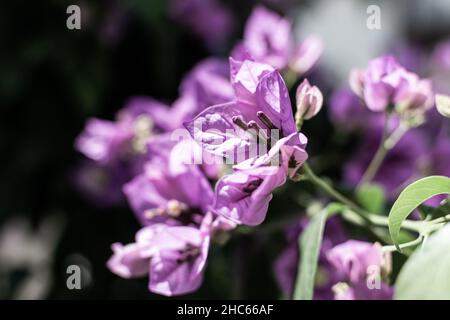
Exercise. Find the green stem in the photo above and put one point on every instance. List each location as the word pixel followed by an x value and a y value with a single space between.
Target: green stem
pixel 413 243
pixel 290 78
pixel 327 188
pixel 362 215
pixel 395 137
pixel 387 143
pixel 375 164
pixel 378 158
pixel 443 219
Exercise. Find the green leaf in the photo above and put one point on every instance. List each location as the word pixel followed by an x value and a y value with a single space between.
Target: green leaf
pixel 309 243
pixel 425 275
pixel 371 197
pixel 410 198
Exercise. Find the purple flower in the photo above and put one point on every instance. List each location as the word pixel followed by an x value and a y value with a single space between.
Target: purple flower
pixel 261 113
pixel 169 191
pixel 380 82
pixel 355 258
pixel 414 94
pixel 209 20
pixel 268 39
pixel 386 83
pixel 361 263
pixel 286 265
pixel 173 256
pixel 117 149
pixel 257 118
pixel 107 142
pixel 127 261
pixel 243 196
pixel 103 141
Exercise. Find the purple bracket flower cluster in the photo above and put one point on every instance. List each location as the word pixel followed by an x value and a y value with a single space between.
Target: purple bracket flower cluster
pixel 261 109
pixel 386 83
pixel 387 86
pixel 169 193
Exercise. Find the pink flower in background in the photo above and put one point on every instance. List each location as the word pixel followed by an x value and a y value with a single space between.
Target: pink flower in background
pixel 268 38
pixel 102 140
pixel 414 94
pixel 379 82
pixel 386 83
pixel 107 142
pixel 355 258
pixel 357 261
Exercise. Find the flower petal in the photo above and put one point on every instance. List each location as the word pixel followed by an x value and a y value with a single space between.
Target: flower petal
pixel 272 97
pixel 244 196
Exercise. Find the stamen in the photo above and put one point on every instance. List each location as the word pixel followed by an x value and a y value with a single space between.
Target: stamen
pixel 265 119
pixel 261 133
pixel 253 125
pixel 173 209
pixel 152 213
pixel 143 129
pixel 237 120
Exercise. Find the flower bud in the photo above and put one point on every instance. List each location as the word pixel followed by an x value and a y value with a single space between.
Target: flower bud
pixel 443 105
pixel 309 101
pixel 357 81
